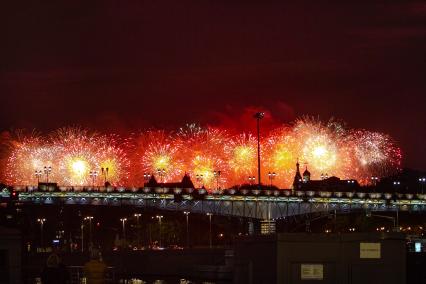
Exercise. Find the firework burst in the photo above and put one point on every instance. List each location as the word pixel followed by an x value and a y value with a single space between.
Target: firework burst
pixel 242 157
pixel 202 151
pixel 326 148
pixel 157 154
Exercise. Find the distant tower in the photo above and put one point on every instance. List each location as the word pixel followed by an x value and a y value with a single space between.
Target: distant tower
pixel 306 175
pixel 297 178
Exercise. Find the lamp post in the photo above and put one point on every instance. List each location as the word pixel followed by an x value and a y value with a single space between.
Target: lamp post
pixel 160 218
pixel 187 227
pixel 217 176
pixel 210 229
pixel 396 183
pixel 271 176
pixel 38 174
pixel 146 177
pixel 251 179
pixel 41 222
pixel 395 220
pixel 123 222
pixel 199 178
pixel 89 218
pixel 374 180
pixel 161 174
pixel 82 235
pixel 47 171
pixel 104 172
pixel 422 182
pixel 258 116
pixel 138 215
pixel 93 175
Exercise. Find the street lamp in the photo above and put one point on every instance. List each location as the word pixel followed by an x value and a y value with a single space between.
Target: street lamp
pixel 217 176
pixel 251 179
pixel 422 182
pixel 146 177
pixel 258 116
pixel 396 184
pixel 161 174
pixel 41 222
pixel 138 215
pixel 160 218
pixel 38 174
pixel 395 220
pixel 82 235
pixel 104 172
pixel 271 176
pixel 374 180
pixel 90 230
pixel 187 227
pixel 47 171
pixel 199 178
pixel 210 229
pixel 123 221
pixel 93 175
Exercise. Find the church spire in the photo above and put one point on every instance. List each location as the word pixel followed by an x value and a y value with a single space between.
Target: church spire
pixel 297 177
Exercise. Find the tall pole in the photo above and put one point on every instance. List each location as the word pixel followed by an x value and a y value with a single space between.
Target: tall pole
pixel 258 116
pixel 210 229
pixel 47 171
pixel 41 234
pixel 160 217
pixel 187 228
pixel 90 231
pixel 123 221
pixel 41 221
pixel 137 215
pixel 82 236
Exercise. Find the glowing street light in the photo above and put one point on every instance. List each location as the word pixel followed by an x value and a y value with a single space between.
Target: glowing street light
pixel 138 215
pixel 93 175
pixel 422 182
pixel 258 116
pixel 38 174
pixel 160 218
pixel 161 173
pixel 47 171
pixel 123 221
pixel 41 221
pixel 374 180
pixel 210 229
pixel 104 172
pixel 89 218
pixel 82 235
pixel 251 179
pixel 271 176
pixel 187 227
pixel 146 177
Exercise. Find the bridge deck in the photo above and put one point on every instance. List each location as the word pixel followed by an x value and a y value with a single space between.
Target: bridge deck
pixel 258 207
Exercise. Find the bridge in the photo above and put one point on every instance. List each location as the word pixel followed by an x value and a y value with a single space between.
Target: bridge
pixel 254 203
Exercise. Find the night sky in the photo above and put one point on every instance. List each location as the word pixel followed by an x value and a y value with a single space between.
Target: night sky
pixel 126 65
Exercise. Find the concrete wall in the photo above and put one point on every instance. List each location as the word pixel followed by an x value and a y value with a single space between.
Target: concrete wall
pixel 278 259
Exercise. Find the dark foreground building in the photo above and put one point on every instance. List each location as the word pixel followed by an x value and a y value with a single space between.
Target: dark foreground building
pixel 10 256
pixel 321 258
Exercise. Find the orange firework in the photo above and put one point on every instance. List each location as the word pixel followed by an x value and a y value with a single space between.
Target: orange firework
pixel 202 151
pixel 211 156
pixel 159 156
pixel 241 152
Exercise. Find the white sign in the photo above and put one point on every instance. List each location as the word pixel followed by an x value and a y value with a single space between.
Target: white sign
pixel 311 272
pixel 370 250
